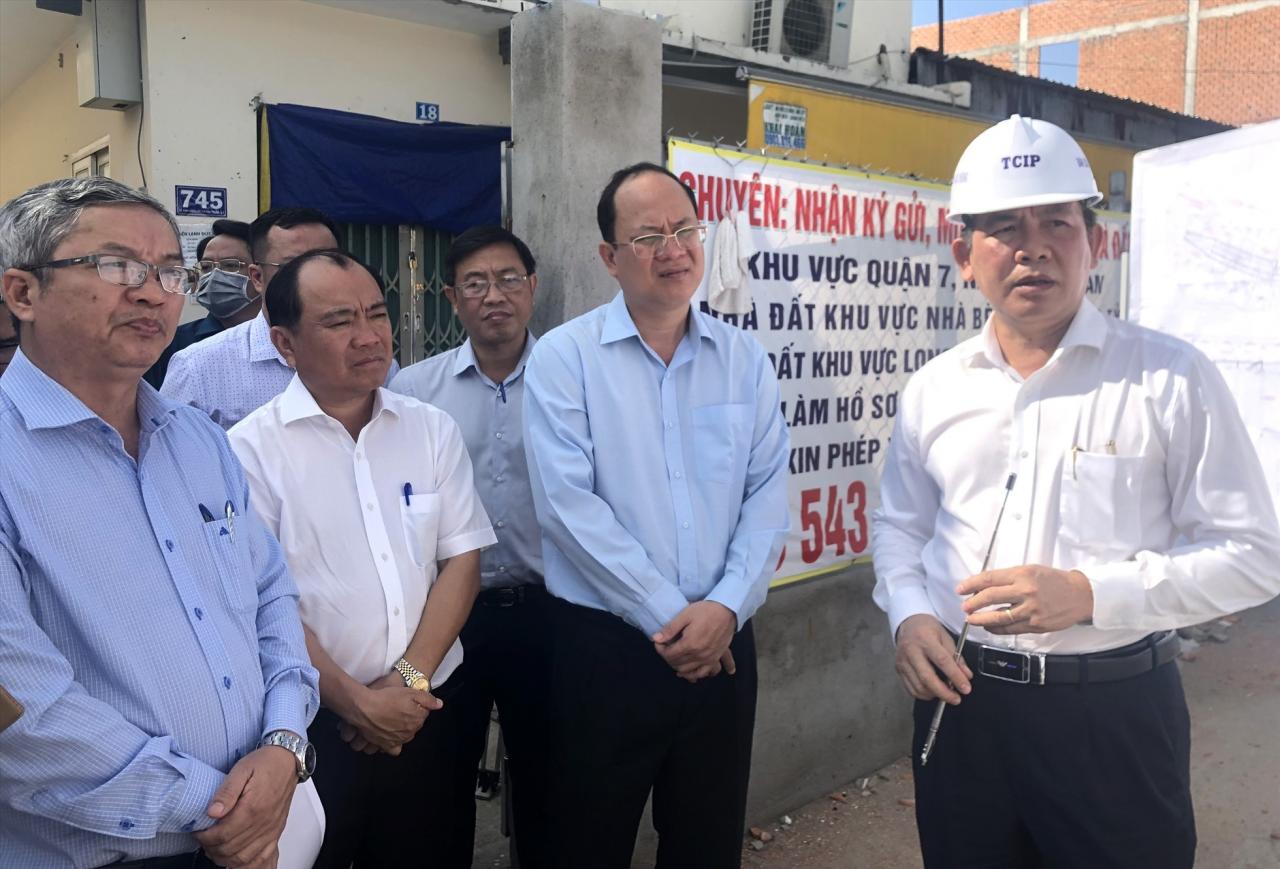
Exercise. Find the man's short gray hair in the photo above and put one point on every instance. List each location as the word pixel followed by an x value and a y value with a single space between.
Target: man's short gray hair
pixel 32 224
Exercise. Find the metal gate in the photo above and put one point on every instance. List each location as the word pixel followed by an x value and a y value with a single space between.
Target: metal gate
pixel 410 260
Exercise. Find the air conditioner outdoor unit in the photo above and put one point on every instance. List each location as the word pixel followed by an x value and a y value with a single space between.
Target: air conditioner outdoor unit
pixel 817 30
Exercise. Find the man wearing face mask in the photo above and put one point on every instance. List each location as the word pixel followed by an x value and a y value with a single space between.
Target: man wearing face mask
pixel 225 291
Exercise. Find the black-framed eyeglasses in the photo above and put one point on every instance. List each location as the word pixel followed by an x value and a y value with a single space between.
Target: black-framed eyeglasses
pixel 127 272
pixel 508 284
pixel 649 246
pixel 226 264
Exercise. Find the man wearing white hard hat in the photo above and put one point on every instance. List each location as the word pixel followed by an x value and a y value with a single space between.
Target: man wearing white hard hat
pixel 1104 471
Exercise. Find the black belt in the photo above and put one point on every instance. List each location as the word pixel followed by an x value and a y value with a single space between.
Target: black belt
pixel 1033 668
pixel 513 596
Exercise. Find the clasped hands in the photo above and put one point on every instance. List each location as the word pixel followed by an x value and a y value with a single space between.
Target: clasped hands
pixel 386 714
pixel 696 642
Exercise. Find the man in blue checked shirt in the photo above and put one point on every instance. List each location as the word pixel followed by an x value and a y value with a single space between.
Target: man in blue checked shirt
pixel 658 458
pixel 147 622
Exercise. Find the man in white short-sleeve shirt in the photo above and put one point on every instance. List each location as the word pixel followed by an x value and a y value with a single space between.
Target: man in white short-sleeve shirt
pixel 372 497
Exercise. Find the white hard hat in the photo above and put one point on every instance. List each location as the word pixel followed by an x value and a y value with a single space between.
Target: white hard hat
pixel 1017 163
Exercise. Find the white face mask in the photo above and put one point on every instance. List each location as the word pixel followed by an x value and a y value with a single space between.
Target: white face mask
pixel 223 294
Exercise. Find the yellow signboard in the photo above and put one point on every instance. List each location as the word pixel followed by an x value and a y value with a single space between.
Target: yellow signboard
pixel 840 129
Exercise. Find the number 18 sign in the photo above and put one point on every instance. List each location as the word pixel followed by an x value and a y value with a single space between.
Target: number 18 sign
pixel 200 201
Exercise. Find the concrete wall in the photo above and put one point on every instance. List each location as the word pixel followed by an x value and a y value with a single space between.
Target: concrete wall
pixel 209 59
pixel 42 124
pixel 831 706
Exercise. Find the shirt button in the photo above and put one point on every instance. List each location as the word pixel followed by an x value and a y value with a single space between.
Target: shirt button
pixel 502 568
pixel 498 479
pixel 396 611
pixel 359 455
pixel 385 556
pixel 126 824
pixel 1017 516
pixel 226 682
pixel 499 524
pixel 169 545
pixel 670 425
pixel 498 435
pixel 685 525
pixel 678 475
pixel 369 505
pixel 1024 454
pixel 199 614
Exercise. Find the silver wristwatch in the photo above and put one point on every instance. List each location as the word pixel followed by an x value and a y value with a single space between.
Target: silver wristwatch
pixel 303 752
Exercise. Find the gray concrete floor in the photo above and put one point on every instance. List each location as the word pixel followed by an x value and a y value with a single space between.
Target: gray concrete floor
pixel 1232 682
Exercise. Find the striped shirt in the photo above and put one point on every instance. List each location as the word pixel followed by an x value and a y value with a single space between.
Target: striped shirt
pixel 151 647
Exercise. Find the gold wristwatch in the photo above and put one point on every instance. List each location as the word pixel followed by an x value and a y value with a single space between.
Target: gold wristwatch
pixel 413 677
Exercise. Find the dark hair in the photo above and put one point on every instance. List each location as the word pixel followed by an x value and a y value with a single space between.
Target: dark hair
pixel 1090 218
pixel 234 228
pixel 606 213
pixel 285 218
pixel 283 301
pixel 476 239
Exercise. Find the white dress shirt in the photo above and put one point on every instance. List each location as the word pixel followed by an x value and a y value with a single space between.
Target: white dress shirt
pixel 490 416
pixel 363 523
pixel 1132 464
pixel 231 374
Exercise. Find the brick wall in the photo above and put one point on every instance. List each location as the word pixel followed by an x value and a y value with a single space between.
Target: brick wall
pixel 1237 63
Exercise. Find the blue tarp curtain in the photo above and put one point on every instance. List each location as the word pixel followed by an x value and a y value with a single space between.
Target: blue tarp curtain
pixel 362 169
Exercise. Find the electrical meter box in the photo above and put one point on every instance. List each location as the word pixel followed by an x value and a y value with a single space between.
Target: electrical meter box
pixel 108 57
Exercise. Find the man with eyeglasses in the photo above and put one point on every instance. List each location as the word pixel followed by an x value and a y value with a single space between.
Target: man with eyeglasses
pixel 237 371
pixel 147 621
pixel 226 290
pixel 658 459
pixel 490 280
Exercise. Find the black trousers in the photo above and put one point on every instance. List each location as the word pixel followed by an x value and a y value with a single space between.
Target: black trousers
pixel 623 725
pixel 508 661
pixel 384 811
pixel 1068 776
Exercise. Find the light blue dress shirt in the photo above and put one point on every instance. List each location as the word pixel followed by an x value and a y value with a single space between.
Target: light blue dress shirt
pixel 491 418
pixel 232 374
pixel 656 485
pixel 151 648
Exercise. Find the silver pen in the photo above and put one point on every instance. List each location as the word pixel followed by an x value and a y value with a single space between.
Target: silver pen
pixel 964 633
pixel 231 521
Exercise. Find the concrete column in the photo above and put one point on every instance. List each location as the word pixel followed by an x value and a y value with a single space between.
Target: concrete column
pixel 1193 37
pixel 1024 16
pixel 586 100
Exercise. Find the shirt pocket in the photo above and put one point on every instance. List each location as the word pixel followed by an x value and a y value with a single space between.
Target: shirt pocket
pixel 721 441
pixel 1099 508
pixel 420 519
pixel 233 565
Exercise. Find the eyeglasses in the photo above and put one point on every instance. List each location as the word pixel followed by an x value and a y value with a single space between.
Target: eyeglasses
pixel 229 264
pixel 126 272
pixel 508 284
pixel 649 246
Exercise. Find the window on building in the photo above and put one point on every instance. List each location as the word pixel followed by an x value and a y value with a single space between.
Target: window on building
pixel 1060 62
pixel 95 162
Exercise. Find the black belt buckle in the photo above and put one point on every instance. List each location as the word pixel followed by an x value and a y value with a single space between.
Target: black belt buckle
pixel 505 597
pixel 1007 665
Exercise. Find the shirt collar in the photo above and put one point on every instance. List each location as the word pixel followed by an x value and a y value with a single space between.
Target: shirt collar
pixel 619 325
pixel 46 403
pixel 1088 329
pixel 260 347
pixel 297 402
pixel 465 358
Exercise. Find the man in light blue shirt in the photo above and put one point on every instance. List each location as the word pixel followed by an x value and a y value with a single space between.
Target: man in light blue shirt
pixel 490 276
pixel 658 457
pixel 147 622
pixel 235 372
